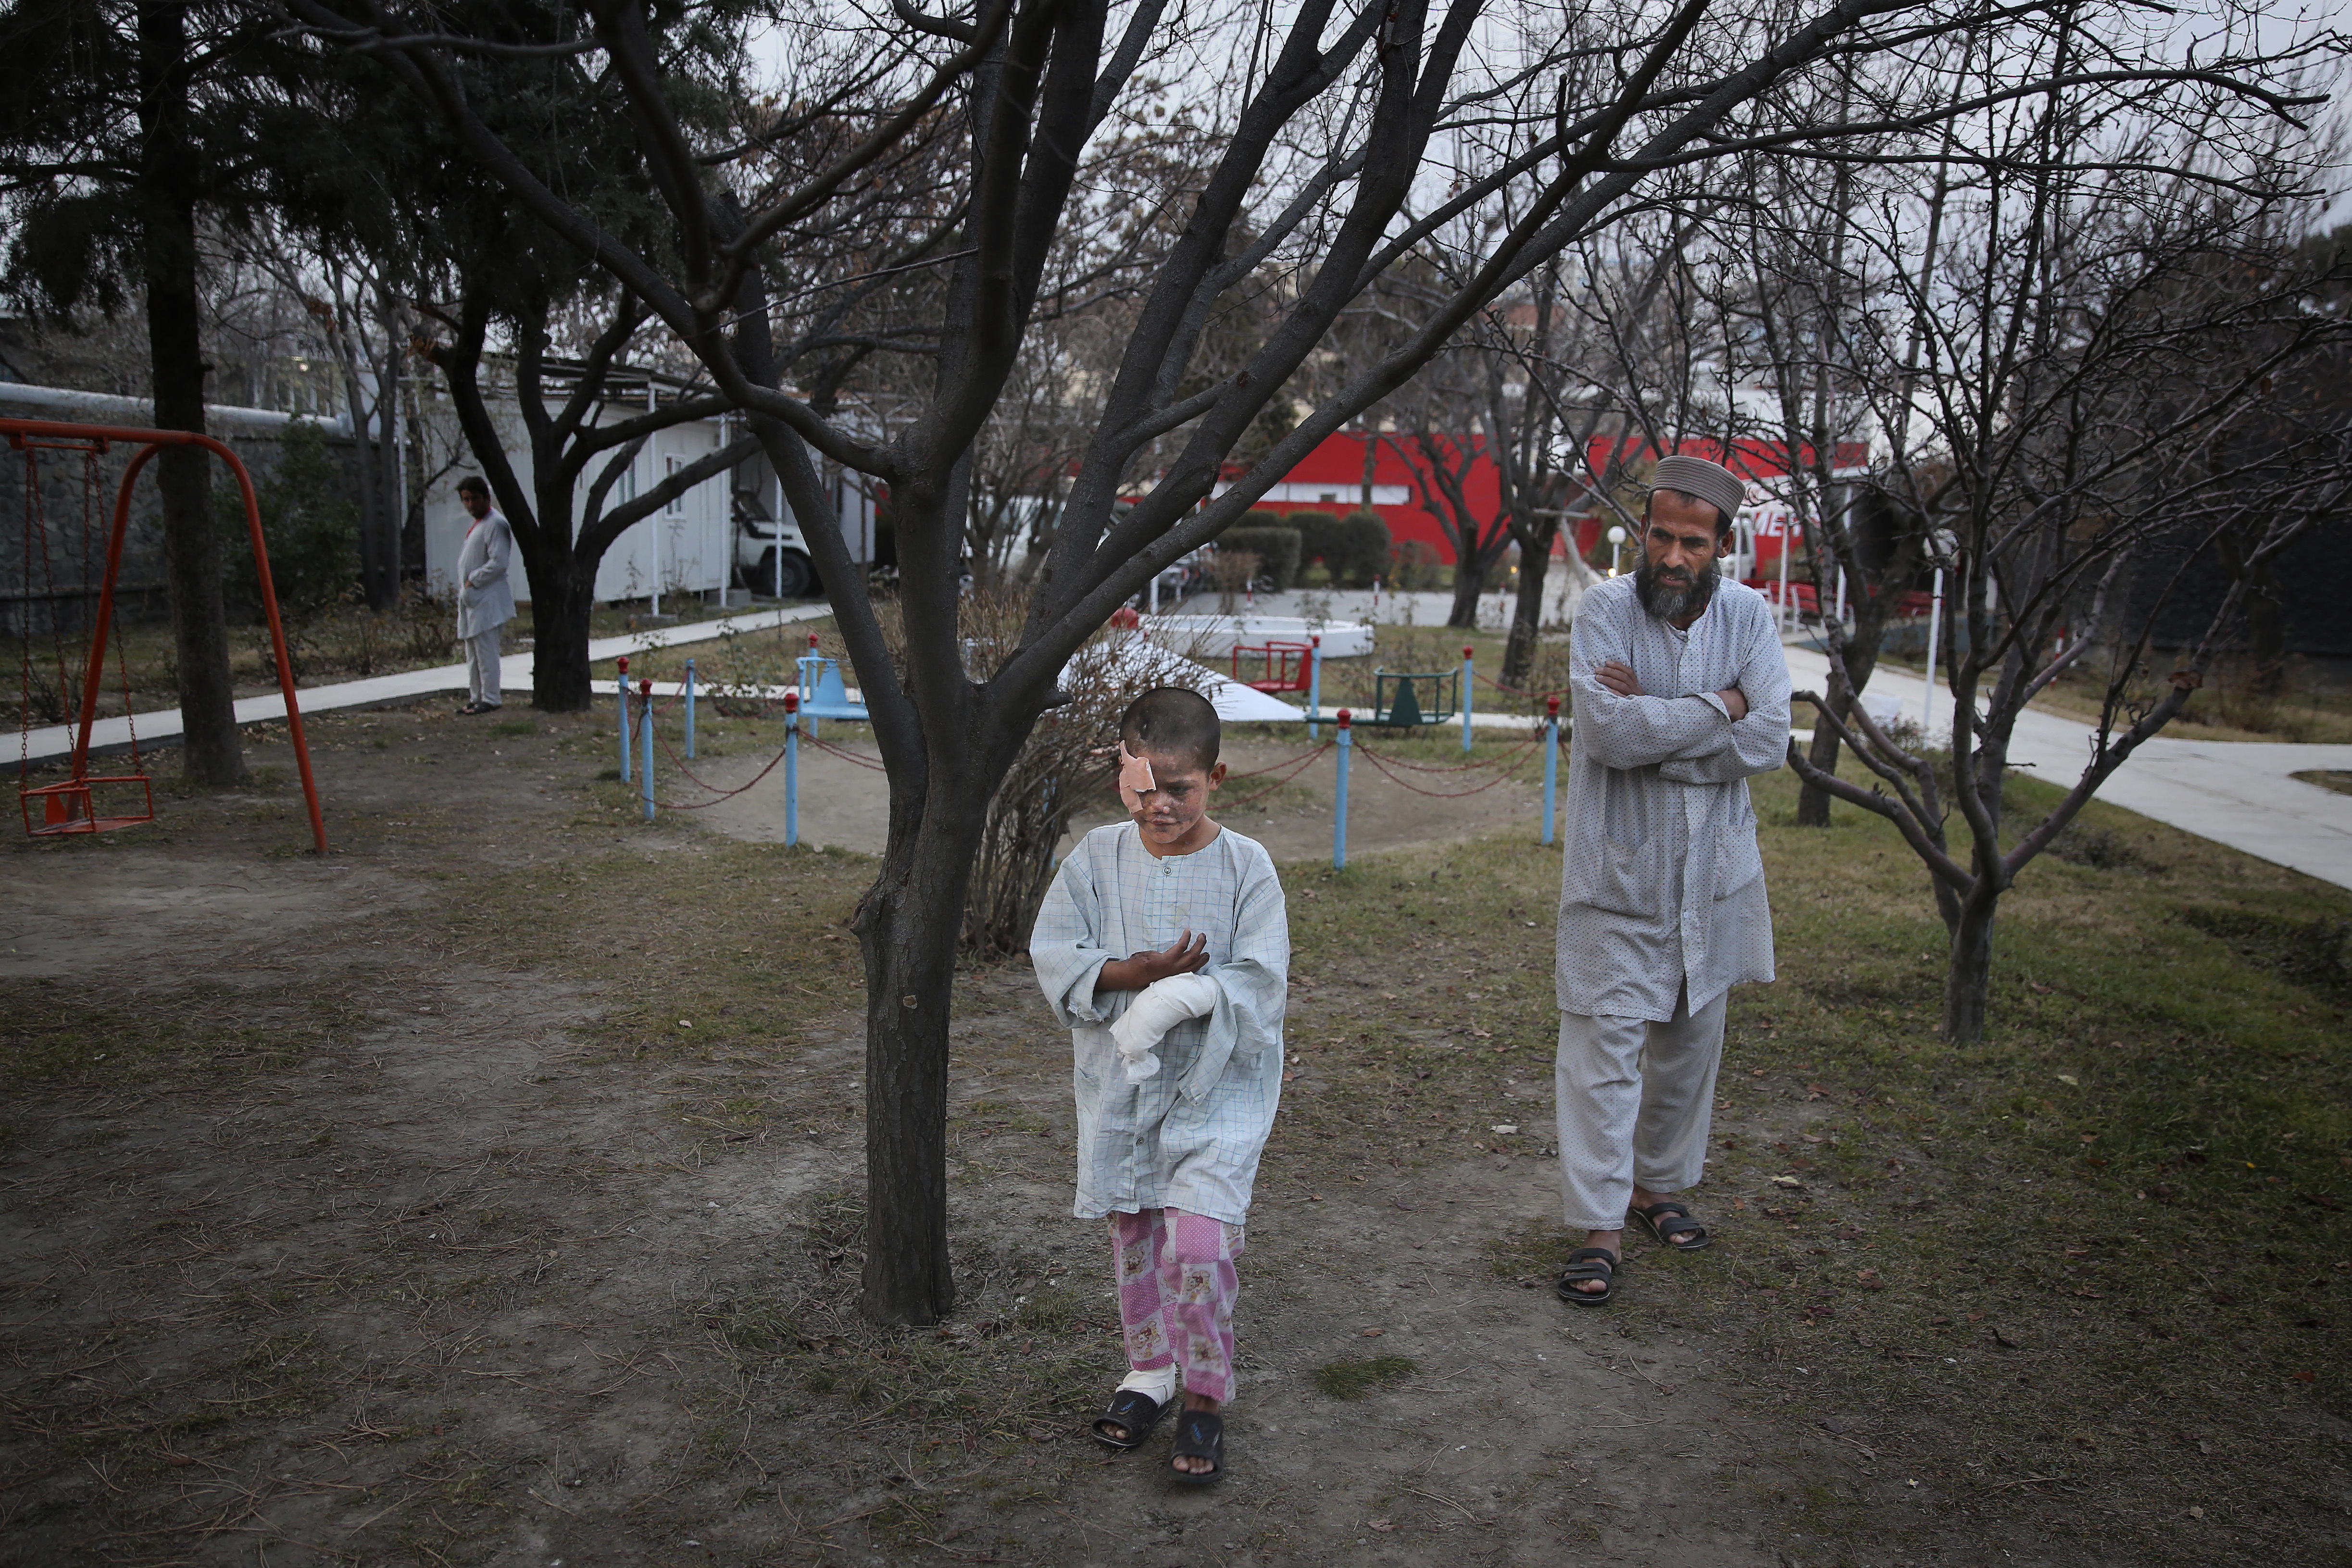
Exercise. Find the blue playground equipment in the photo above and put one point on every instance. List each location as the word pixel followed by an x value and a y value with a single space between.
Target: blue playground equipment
pixel 823 692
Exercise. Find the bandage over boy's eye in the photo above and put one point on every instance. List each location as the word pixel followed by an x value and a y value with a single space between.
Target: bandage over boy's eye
pixel 1162 1005
pixel 1135 779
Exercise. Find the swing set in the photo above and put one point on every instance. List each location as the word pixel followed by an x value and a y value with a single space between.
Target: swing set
pixel 72 806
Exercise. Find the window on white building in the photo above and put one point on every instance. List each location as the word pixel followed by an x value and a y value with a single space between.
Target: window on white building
pixel 675 505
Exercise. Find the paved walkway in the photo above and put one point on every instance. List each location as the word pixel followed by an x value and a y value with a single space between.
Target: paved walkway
pixel 514 674
pixel 2239 793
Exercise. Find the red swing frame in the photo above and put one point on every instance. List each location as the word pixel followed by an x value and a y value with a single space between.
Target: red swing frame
pixel 68 807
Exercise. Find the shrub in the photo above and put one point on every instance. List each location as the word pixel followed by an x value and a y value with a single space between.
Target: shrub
pixel 1319 540
pixel 1277 549
pixel 308 520
pixel 1361 553
pixel 1413 565
pixel 1063 770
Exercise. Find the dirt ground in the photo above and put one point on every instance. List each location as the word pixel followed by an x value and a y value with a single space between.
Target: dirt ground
pixel 489 1193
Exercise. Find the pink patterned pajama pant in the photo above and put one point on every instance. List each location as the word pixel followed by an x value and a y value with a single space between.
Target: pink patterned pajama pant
pixel 1176 1288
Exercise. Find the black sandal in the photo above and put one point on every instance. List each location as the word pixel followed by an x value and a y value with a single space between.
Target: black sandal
pixel 1671 1223
pixel 1200 1434
pixel 1132 1411
pixel 1589 1263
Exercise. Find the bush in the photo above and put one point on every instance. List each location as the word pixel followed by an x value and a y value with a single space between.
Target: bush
pixel 308 520
pixel 1319 540
pixel 1361 552
pixel 1064 771
pixel 1277 549
pixel 1413 565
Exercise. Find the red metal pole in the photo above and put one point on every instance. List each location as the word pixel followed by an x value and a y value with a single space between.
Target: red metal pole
pixel 152 440
pixel 105 614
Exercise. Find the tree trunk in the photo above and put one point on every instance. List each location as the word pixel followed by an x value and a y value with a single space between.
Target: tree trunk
pixel 1967 982
pixel 1860 659
pixel 1469 576
pixel 909 924
pixel 211 750
pixel 379 521
pixel 563 595
pixel 1527 612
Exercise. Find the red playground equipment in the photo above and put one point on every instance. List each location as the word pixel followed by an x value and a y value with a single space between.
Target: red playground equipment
pixel 72 806
pixel 1283 666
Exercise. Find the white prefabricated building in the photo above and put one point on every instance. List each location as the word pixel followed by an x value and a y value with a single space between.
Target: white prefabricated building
pixel 686 547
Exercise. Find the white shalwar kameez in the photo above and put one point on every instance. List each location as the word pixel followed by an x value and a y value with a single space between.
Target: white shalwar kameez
pixel 1663 908
pixel 486 602
pixel 1189 1136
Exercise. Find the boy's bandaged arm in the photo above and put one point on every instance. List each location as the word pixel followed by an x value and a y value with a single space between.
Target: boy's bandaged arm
pixel 1157 1008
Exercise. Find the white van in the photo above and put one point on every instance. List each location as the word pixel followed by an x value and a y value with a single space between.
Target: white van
pixel 772 559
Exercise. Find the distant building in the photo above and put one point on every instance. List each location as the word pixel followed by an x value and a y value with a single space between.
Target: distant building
pixel 1332 480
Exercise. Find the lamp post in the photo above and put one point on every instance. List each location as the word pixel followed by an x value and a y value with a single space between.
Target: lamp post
pixel 1616 545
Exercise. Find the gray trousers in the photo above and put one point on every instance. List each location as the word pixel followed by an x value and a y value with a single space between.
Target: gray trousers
pixel 1634 1102
pixel 482 666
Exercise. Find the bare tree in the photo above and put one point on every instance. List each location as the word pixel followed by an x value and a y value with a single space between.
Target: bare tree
pixel 1333 145
pixel 2115 298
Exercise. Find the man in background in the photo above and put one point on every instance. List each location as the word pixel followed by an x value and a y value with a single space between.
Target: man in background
pixel 485 601
pixel 1681 693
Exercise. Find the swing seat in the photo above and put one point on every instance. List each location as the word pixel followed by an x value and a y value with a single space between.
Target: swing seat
pixel 1284 664
pixel 831 696
pixel 71 807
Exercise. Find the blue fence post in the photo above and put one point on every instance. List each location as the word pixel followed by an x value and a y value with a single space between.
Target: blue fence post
pixel 689 708
pixel 1469 690
pixel 645 728
pixel 1314 688
pixel 1551 762
pixel 811 670
pixel 1339 814
pixel 625 720
pixel 791 768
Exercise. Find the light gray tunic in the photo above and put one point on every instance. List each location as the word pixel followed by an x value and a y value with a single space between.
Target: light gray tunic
pixel 1188 1137
pixel 485 597
pixel 1662 883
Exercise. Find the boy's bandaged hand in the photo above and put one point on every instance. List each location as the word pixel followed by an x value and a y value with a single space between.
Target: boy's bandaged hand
pixel 1162 1004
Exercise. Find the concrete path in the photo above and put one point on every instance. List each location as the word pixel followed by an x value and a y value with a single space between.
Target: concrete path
pixel 514 674
pixel 2239 793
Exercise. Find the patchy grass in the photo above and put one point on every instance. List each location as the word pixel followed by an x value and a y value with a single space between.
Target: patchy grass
pixel 2076 1281
pixel 1355 1377
pixel 2094 1270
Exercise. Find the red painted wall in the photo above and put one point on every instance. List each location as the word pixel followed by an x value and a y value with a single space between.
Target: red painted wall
pixel 1335 469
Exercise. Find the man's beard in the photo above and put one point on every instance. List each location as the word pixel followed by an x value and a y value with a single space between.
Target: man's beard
pixel 1673 600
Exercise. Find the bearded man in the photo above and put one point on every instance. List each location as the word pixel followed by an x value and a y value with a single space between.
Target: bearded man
pixel 1681 693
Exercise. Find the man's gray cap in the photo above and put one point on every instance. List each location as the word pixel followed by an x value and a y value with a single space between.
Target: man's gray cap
pixel 1709 482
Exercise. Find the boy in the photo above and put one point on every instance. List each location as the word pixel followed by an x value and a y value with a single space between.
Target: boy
pixel 1163 947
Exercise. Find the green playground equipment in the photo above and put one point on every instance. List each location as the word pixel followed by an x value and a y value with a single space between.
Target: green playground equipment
pixel 1403 700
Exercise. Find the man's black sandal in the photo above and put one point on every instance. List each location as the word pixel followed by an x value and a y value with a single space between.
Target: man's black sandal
pixel 1672 1225
pixel 1200 1434
pixel 1135 1413
pixel 1589 1263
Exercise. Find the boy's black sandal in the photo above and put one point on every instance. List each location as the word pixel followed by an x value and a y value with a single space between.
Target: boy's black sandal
pixel 1589 1263
pixel 1200 1434
pixel 1672 1226
pixel 1134 1412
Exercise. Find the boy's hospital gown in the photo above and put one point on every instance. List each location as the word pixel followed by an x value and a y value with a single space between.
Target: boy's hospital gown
pixel 1189 1137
